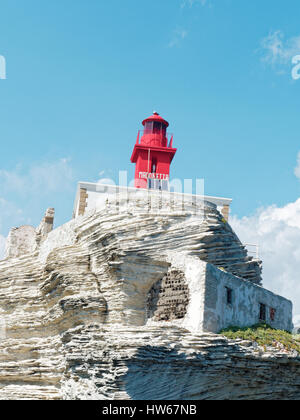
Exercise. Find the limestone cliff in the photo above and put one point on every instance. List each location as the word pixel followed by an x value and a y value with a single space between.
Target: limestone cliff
pixel 100 310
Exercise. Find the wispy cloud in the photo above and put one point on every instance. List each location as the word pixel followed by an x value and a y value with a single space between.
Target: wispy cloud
pixel 191 3
pixel 277 51
pixel 297 169
pixel 43 178
pixel 178 36
pixel 25 191
pixel 9 210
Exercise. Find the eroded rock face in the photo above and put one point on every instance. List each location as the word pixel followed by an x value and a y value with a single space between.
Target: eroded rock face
pixel 74 313
pixel 46 225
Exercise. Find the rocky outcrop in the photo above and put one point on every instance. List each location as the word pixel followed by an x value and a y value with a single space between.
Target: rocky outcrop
pixel 170 363
pixel 99 362
pixel 46 225
pixel 25 240
pixel 82 316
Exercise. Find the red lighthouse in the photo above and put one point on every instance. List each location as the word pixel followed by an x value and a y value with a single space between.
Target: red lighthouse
pixel 153 154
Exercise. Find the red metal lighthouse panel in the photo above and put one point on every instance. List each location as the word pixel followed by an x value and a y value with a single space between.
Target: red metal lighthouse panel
pixel 153 154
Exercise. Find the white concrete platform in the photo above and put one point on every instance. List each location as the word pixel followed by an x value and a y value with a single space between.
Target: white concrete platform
pixel 94 196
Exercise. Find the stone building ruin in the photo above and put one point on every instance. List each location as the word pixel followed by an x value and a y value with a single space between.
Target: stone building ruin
pixel 26 239
pixel 168 298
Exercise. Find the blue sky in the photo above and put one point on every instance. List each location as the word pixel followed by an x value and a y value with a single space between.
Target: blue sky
pixel 82 75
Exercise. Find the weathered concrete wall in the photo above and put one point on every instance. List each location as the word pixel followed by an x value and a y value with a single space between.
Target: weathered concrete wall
pixel 206 309
pixel 245 308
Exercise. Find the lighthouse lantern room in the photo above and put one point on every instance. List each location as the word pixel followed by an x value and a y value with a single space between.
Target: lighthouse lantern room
pixel 153 154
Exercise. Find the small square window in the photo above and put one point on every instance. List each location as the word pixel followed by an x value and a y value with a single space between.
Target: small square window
pixel 228 296
pixel 262 312
pixel 272 314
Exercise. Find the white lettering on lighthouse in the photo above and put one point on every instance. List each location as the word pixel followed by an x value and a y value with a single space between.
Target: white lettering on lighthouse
pixel 149 175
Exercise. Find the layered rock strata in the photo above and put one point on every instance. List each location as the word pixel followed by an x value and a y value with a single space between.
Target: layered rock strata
pixel 83 316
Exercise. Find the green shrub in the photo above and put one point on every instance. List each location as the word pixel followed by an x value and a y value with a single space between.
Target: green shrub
pixel 264 336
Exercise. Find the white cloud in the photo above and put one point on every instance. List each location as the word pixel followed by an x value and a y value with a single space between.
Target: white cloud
pixel 178 36
pixel 9 211
pixel 276 50
pixel 297 169
pixel 23 192
pixel 43 178
pixel 277 232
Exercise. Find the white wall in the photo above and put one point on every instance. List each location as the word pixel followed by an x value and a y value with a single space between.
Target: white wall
pixel 208 311
pixel 245 307
pixel 99 194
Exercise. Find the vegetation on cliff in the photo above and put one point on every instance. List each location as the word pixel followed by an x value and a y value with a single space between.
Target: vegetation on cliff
pixel 264 336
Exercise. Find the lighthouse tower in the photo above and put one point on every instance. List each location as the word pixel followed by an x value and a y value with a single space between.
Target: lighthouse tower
pixel 153 154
